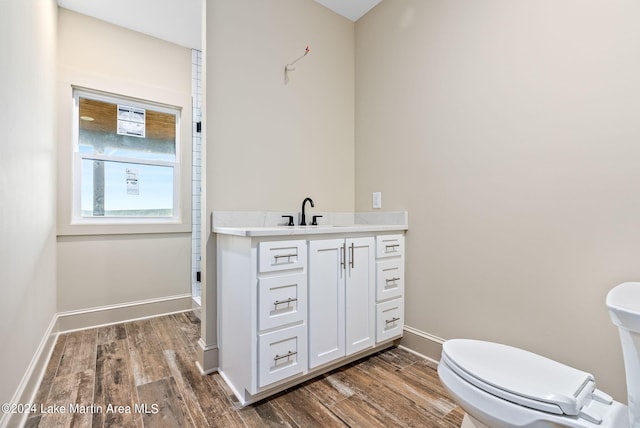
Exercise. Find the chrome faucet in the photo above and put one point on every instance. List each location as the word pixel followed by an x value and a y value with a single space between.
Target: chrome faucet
pixel 303 220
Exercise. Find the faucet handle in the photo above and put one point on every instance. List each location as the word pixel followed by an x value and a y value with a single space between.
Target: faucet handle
pixel 315 220
pixel 290 217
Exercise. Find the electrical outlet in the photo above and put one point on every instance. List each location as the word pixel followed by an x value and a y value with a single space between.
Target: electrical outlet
pixel 377 200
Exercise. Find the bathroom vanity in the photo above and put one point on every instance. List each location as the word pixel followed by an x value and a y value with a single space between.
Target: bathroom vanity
pixel 295 302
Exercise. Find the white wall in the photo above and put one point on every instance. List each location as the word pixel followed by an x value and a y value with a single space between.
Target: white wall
pixel 509 131
pixel 109 265
pixel 27 184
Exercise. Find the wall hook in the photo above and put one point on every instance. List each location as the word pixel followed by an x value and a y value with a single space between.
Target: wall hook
pixel 289 67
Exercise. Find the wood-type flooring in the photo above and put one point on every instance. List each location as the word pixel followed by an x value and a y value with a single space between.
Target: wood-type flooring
pixel 143 374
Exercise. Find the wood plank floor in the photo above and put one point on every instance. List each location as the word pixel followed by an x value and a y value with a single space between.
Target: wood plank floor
pixel 143 374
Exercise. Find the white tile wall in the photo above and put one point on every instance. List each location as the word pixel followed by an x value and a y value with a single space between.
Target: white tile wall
pixel 196 88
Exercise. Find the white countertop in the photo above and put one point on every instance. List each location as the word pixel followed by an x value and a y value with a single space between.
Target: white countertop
pixel 306 230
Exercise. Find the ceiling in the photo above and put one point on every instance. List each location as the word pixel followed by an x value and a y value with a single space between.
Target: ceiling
pixel 180 21
pixel 177 21
pixel 351 9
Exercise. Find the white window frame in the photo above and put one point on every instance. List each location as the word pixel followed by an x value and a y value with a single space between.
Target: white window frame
pixel 77 217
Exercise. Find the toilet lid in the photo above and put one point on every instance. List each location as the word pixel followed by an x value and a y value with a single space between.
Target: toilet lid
pixel 519 376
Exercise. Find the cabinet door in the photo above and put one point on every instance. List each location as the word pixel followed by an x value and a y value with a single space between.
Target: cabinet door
pixel 359 294
pixel 326 301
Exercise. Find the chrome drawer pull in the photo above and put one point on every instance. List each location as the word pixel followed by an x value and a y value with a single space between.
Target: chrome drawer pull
pixel 391 247
pixel 282 256
pixel 392 320
pixel 351 262
pixel 282 302
pixel 392 280
pixel 287 355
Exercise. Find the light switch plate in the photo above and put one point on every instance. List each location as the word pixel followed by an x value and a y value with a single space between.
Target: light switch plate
pixel 377 200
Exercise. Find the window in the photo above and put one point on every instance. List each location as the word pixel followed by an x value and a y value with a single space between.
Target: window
pixel 126 159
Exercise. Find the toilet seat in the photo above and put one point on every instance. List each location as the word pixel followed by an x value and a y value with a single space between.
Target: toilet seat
pixel 522 377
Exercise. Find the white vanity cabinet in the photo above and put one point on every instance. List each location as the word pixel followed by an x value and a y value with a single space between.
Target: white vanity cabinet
pixel 293 307
pixel 341 298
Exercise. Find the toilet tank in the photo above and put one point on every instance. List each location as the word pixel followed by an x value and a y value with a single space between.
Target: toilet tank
pixel 623 303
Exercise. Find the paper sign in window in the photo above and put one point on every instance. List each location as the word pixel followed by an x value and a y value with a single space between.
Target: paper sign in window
pixel 131 121
pixel 133 186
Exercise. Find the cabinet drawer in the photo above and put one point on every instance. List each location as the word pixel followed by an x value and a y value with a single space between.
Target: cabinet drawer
pixel 281 255
pixel 389 279
pixel 389 319
pixel 281 300
pixel 389 245
pixel 282 353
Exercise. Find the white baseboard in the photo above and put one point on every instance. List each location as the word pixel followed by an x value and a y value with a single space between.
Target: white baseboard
pixel 207 357
pixel 421 343
pixel 28 387
pixel 113 314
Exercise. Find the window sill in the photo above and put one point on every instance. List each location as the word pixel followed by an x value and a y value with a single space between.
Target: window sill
pixel 122 227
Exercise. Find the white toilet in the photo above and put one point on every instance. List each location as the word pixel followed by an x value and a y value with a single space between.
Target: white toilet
pixel 501 386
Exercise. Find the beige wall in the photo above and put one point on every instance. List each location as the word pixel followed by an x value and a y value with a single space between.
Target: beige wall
pixel 271 144
pixel 27 185
pixel 509 131
pixel 93 271
pixel 110 265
